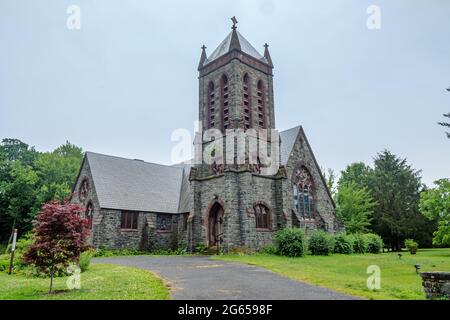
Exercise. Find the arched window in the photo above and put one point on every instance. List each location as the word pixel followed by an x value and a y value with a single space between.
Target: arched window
pixel 211 110
pixel 295 191
pixel 84 190
pixel 224 99
pixel 304 194
pixel 261 96
pixel 89 214
pixel 247 101
pixel 262 216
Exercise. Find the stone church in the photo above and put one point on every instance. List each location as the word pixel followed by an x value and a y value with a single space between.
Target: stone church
pixel 130 203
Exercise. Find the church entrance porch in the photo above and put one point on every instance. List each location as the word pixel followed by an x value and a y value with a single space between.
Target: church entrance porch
pixel 215 225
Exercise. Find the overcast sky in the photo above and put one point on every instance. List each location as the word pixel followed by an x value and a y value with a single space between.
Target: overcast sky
pixel 122 83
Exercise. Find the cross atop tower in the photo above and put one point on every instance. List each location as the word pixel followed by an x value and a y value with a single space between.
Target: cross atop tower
pixel 235 22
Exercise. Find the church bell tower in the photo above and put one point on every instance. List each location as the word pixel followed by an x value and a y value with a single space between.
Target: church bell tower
pixel 235 84
pixel 235 96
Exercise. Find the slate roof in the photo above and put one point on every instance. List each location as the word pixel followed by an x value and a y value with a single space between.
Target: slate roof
pixel 224 47
pixel 134 184
pixel 288 138
pixel 127 184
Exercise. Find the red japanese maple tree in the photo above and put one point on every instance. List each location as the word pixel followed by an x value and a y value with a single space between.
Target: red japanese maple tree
pixel 60 236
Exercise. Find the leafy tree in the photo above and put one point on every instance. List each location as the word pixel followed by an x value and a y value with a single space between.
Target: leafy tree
pixel 330 178
pixel 60 237
pixel 354 207
pixel 435 204
pixel 57 172
pixel 28 179
pixel 16 150
pixel 356 173
pixel 395 186
pixel 17 196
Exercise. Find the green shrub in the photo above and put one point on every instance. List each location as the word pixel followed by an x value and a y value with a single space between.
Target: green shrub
pixel 201 248
pixel 269 249
pixel 320 243
pixel 359 243
pixel 241 250
pixel 4 262
pixel 104 252
pixel 85 259
pixel 290 242
pixel 411 246
pixel 182 248
pixel 24 242
pixel 374 242
pixel 343 243
pixel 22 245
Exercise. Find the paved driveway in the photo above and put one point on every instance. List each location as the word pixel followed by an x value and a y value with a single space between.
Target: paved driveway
pixel 192 277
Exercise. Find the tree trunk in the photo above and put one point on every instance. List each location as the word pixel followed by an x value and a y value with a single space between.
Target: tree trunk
pixel 11 236
pixel 51 281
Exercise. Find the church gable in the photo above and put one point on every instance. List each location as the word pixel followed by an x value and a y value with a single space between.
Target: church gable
pixel 84 192
pixel 308 193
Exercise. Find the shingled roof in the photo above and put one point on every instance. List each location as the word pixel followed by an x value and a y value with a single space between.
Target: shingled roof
pixel 232 40
pixel 136 185
pixel 127 184
pixel 288 138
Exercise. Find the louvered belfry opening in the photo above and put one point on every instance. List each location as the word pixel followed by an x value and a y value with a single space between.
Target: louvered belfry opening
pixel 211 111
pixel 225 102
pixel 260 93
pixel 246 88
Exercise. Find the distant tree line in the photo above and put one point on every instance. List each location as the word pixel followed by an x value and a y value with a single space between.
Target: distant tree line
pixel 29 178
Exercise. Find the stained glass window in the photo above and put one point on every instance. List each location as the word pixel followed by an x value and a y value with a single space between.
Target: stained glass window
pixel 304 201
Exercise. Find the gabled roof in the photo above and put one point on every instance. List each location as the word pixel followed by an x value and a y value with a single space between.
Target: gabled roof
pixel 229 43
pixel 288 138
pixel 127 184
pixel 135 185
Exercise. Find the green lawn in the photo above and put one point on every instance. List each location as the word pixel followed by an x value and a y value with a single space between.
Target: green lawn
pixel 347 273
pixel 100 282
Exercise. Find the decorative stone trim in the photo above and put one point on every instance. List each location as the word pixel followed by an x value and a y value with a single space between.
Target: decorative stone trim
pixel 436 284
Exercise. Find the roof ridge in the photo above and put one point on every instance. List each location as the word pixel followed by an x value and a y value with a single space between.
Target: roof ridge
pixel 142 161
pixel 296 127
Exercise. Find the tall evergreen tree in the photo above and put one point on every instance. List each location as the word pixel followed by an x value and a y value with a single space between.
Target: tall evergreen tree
pixel 396 187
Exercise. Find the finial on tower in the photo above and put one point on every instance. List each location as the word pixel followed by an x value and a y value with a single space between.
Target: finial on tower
pixel 234 20
pixel 203 57
pixel 267 55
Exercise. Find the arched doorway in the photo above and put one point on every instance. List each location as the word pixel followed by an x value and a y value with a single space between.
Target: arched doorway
pixel 215 224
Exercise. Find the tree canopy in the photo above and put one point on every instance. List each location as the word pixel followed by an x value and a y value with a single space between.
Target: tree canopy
pixel 435 205
pixel 354 208
pixel 29 178
pixel 60 235
pixel 384 199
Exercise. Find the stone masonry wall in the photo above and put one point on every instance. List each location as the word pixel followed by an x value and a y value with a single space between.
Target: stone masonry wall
pixel 237 192
pixel 436 284
pixel 91 197
pixel 325 212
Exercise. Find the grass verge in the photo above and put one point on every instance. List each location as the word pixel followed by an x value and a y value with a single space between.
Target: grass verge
pixel 348 273
pixel 99 282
